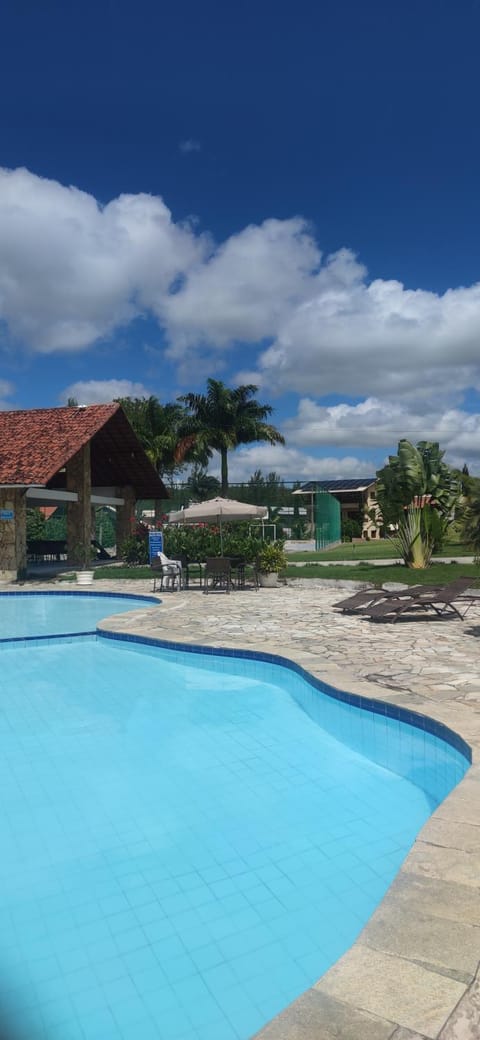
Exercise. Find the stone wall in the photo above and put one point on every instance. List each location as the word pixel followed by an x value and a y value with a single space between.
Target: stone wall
pixel 13 534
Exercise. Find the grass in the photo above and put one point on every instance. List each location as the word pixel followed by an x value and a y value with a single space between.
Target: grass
pixel 437 573
pixel 383 550
pixel 122 572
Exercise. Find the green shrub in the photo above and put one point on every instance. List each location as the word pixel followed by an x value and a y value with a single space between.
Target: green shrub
pixel 351 529
pixel 134 550
pixel 198 543
pixel 272 558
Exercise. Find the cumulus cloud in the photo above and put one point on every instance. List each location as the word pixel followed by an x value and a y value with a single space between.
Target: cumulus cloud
pixel 246 290
pixel 379 424
pixel 290 463
pixel 358 337
pixel 101 391
pixel 73 271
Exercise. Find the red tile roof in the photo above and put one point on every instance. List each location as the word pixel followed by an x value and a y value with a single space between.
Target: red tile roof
pixel 35 445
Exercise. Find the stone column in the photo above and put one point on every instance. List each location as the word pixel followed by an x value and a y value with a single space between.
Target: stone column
pixel 13 534
pixel 79 515
pixel 125 515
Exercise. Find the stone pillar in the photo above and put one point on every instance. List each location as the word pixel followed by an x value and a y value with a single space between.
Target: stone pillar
pixel 79 515
pixel 125 515
pixel 13 534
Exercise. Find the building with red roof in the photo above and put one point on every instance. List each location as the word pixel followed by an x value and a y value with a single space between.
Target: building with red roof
pixel 82 457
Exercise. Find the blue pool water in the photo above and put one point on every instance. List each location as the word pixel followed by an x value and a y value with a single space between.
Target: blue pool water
pixel 40 614
pixel 183 848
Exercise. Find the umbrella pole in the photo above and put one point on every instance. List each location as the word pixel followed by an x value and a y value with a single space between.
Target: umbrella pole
pixel 221 536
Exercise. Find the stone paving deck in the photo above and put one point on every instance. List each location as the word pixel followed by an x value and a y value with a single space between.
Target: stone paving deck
pixel 413 972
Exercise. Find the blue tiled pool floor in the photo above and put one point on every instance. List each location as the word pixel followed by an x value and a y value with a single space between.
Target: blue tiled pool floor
pixel 183 851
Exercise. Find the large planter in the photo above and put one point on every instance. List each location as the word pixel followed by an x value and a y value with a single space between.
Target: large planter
pixel 84 577
pixel 268 581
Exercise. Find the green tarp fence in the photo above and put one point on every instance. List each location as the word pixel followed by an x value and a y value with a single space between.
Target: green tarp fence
pixel 327 519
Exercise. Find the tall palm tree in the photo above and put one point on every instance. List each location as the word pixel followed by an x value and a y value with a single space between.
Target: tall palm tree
pixel 224 418
pixel 158 428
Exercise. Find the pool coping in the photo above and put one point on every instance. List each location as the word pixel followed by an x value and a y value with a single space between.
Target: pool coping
pixel 412 973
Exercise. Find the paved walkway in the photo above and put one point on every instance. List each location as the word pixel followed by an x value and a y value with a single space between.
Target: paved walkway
pixel 412 974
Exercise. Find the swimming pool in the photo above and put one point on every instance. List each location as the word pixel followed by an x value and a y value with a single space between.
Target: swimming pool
pixel 27 614
pixel 184 849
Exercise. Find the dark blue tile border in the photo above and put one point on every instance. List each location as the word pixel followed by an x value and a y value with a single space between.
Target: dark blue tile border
pixel 47 638
pixel 393 711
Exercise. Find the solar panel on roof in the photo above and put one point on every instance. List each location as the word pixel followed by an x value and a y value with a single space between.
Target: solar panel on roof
pixel 353 484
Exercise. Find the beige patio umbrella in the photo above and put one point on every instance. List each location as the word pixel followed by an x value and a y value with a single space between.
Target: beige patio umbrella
pixel 216 510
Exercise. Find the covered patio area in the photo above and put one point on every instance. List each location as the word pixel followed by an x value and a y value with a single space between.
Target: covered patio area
pixel 80 457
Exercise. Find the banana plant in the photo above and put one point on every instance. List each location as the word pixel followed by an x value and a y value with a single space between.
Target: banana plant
pixel 413 540
pixel 417 476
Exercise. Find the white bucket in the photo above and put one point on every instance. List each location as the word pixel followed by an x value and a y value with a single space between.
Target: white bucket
pixel 84 577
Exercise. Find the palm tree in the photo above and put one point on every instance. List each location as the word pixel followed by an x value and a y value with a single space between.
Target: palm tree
pixel 202 485
pixel 158 428
pixel 224 418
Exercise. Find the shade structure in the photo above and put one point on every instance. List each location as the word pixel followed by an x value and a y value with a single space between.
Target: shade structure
pixel 218 510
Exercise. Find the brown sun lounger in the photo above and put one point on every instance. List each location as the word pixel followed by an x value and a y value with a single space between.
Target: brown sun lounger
pixel 359 602
pixel 442 601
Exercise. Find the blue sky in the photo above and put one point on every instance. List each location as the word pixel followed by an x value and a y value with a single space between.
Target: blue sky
pixel 262 192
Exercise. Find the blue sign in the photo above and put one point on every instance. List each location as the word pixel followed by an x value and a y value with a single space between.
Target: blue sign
pixel 7 514
pixel 155 544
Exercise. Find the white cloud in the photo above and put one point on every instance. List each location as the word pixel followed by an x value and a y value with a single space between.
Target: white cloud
pixel 375 423
pixel 101 391
pixel 190 145
pixel 372 422
pixel 356 337
pixel 7 389
pixel 72 271
pixel 246 290
pixel 290 463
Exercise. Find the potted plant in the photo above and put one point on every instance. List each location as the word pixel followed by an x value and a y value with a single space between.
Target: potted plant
pixel 271 559
pixel 85 555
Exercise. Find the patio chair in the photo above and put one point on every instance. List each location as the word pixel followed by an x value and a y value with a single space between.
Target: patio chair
pixel 167 572
pixel 442 601
pixel 238 564
pixel 360 601
pixel 218 574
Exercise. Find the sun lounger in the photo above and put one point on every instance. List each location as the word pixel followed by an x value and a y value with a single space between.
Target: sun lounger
pixel 442 601
pixel 362 600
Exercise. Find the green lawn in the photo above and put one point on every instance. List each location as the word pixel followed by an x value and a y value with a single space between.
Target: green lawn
pixel 383 550
pixel 436 574
pixel 115 573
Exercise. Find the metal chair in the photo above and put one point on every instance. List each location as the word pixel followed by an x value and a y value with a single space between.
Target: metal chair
pixel 218 572
pixel 238 564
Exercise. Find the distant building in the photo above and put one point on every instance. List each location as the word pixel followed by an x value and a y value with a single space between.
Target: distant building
pixel 357 498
